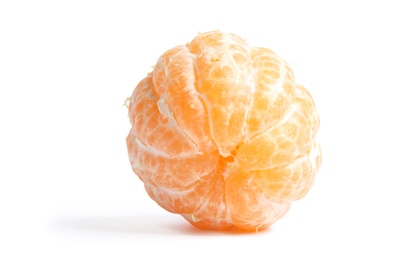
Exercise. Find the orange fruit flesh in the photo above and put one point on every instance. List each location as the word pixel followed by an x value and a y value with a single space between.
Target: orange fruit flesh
pixel 223 135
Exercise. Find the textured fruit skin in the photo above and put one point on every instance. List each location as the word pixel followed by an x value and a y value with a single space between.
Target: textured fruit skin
pixel 223 135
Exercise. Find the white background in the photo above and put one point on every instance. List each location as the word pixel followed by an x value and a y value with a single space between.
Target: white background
pixel 67 190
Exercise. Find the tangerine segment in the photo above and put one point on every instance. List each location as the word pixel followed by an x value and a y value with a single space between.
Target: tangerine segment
pixel 307 181
pixel 274 82
pixel 202 204
pixel 225 81
pixel 160 170
pixel 249 207
pixel 291 181
pixel 284 141
pixel 175 81
pixel 151 127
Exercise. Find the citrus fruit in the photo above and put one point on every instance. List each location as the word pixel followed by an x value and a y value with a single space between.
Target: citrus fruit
pixel 222 134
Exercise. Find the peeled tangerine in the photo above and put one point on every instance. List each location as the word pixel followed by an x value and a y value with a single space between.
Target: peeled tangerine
pixel 223 135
